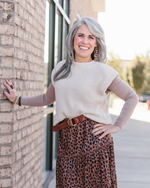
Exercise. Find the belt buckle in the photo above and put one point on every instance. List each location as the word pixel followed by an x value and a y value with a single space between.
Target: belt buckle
pixel 69 122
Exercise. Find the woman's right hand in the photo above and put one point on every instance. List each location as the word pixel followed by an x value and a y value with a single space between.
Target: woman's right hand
pixel 12 92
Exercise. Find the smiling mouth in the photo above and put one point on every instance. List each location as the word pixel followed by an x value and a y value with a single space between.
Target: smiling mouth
pixel 83 48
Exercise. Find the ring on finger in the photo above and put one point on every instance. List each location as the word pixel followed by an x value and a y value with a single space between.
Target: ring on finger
pixel 12 87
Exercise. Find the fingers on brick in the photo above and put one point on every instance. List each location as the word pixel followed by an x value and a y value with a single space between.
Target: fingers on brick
pixel 7 94
pixel 7 86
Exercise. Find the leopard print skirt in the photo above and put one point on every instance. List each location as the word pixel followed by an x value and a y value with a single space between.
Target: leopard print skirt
pixel 83 160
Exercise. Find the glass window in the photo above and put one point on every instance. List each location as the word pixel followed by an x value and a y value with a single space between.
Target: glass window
pixel 56 29
pixel 67 7
pixel 48 65
pixel 46 60
pixel 46 46
pixel 61 2
pixel 65 36
pixel 58 37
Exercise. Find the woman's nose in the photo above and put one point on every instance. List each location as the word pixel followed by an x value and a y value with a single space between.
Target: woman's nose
pixel 85 40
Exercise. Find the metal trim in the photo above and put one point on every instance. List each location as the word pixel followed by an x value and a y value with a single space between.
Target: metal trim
pixel 62 11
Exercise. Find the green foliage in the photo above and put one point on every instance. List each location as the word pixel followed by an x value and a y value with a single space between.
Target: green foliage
pixel 146 86
pixel 138 74
pixel 141 73
pixel 115 62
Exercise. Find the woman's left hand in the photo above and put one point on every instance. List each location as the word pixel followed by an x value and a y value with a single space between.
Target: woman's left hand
pixel 105 129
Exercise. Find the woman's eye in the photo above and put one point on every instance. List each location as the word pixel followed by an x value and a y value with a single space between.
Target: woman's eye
pixel 80 35
pixel 91 38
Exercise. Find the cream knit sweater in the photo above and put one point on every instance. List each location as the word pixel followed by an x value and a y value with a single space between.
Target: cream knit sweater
pixel 84 91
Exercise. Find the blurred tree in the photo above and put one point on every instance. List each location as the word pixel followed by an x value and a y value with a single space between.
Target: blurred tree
pixel 146 86
pixel 138 74
pixel 140 71
pixel 115 62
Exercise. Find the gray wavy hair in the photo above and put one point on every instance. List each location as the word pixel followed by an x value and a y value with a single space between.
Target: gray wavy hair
pixel 97 31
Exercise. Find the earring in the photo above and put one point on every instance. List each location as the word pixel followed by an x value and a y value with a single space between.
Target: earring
pixel 95 54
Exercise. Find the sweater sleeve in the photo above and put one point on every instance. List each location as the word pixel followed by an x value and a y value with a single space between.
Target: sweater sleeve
pixel 125 92
pixel 109 75
pixel 40 100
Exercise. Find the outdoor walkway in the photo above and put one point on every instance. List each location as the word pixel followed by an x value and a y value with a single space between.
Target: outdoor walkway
pixel 132 148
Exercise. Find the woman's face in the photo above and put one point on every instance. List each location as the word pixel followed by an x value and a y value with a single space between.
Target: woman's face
pixel 84 44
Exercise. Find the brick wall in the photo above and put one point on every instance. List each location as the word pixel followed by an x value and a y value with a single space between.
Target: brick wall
pixel 22 29
pixel 83 7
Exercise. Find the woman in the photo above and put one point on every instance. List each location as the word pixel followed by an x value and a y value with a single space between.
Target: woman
pixel 81 85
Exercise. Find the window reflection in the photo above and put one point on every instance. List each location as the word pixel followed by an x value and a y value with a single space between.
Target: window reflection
pixel 67 5
pixel 65 36
pixel 56 29
pixel 58 37
pixel 46 46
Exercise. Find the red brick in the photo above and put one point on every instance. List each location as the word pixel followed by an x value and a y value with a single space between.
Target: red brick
pixel 6 40
pixel 16 42
pixel 20 11
pixel 21 182
pixel 5 107
pixel 26 15
pixel 5 182
pixel 23 3
pixel 15 127
pixel 18 135
pixel 21 54
pixel 16 63
pixel 22 44
pixel 6 52
pixel 7 29
pixel 20 33
pixel 16 8
pixel 16 31
pixel 24 133
pixel 6 117
pixel 16 167
pixel 5 128
pixel 22 24
pixel 18 176
pixel 22 143
pixel 5 161
pixel 18 155
pixel 7 6
pixel 28 27
pixel 30 19
pixel 7 73
pixel 5 139
pixel 28 8
pixel 5 172
pixel 15 147
pixel 17 20
pixel 20 115
pixel 6 62
pixel 5 150
pixel 7 17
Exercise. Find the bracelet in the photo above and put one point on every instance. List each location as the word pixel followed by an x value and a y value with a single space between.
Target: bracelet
pixel 20 101
pixel 16 98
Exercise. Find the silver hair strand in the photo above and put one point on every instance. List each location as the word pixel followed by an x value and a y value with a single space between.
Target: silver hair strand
pixel 97 31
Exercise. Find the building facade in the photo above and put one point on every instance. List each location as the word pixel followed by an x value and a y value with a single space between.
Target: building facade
pixel 32 42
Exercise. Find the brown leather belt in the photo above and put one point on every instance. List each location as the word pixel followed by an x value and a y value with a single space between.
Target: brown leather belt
pixel 69 122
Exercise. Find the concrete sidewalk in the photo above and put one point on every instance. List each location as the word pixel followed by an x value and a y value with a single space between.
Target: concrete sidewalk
pixel 132 152
pixel 132 148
